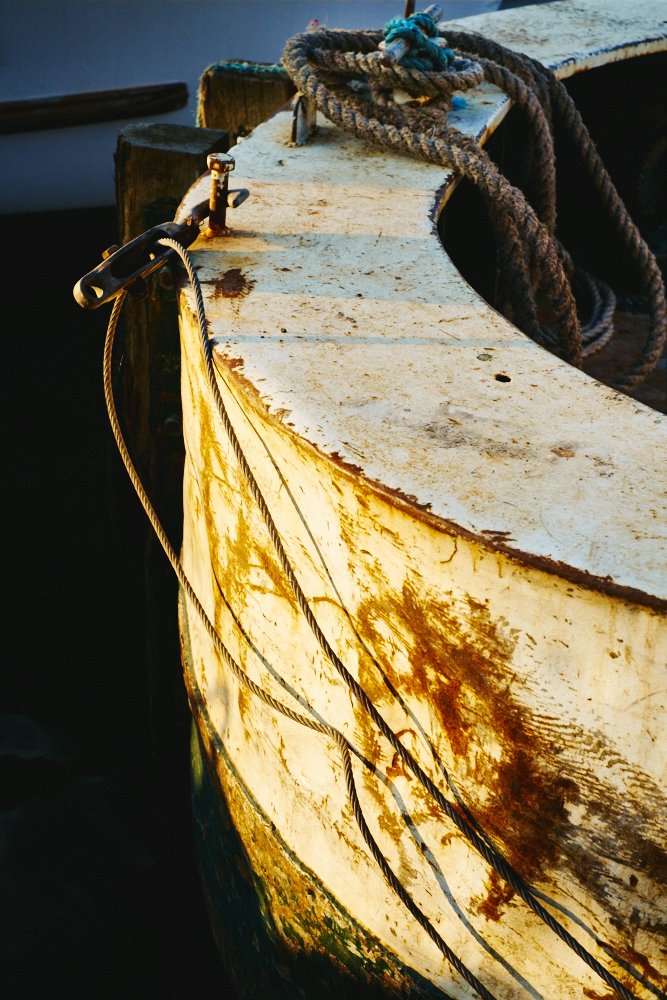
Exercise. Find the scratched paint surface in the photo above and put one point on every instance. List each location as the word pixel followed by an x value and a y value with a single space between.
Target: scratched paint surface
pixel 258 880
pixel 536 695
pixel 428 509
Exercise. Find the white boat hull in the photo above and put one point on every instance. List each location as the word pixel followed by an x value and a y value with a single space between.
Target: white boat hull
pixel 466 556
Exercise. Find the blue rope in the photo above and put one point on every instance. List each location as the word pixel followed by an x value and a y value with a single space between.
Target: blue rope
pixel 418 30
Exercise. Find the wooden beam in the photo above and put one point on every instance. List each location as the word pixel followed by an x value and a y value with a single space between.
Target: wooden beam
pixel 155 166
pixel 237 96
pixel 86 109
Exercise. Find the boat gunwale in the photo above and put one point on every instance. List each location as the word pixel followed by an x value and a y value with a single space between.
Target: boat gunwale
pixel 421 512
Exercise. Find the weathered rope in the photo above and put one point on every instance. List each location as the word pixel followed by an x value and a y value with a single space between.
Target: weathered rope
pixel 344 75
pixel 469 831
pixel 647 271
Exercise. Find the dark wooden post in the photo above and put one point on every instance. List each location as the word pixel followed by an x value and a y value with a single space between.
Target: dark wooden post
pixel 155 166
pixel 239 96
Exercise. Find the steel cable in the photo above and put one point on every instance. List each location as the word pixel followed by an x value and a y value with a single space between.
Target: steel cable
pixel 319 727
pixel 483 846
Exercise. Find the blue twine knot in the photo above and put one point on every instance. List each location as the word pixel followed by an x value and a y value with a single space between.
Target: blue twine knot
pixel 424 54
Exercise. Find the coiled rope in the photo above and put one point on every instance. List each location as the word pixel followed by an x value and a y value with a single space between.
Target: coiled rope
pixel 469 831
pixel 347 77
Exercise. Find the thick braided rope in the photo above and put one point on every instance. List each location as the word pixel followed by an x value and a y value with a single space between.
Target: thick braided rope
pixel 462 75
pixel 313 61
pixel 541 170
pixel 554 94
pixel 477 840
pixel 600 328
pixel 449 148
pixel 645 264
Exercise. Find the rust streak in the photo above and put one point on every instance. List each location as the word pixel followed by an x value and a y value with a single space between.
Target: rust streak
pixel 499 893
pixel 460 664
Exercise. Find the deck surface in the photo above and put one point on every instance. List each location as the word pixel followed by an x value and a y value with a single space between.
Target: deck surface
pixel 334 300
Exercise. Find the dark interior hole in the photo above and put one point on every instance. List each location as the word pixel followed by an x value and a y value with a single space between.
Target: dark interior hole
pixel 624 106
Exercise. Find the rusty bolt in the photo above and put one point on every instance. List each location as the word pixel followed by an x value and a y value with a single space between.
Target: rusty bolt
pixel 220 165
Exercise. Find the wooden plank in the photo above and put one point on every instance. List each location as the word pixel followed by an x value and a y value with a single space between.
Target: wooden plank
pixel 155 165
pixel 87 109
pixel 238 96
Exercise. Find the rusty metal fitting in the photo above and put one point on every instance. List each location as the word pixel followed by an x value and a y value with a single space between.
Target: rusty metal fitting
pixel 220 165
pixel 304 116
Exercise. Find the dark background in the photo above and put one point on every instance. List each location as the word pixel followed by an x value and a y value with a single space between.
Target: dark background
pixel 99 894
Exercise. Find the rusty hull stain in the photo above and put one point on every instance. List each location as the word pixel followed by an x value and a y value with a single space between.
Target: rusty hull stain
pixel 640 962
pixel 458 677
pixel 465 673
pixel 521 799
pixel 499 893
pixel 242 553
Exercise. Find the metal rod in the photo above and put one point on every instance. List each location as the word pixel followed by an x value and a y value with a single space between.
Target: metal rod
pixel 395 51
pixel 220 165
